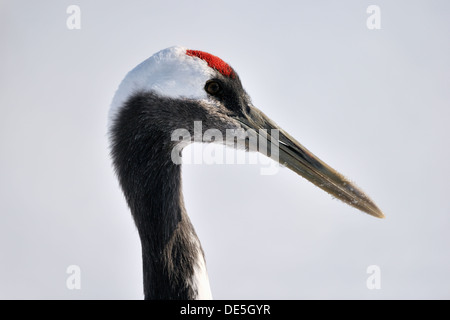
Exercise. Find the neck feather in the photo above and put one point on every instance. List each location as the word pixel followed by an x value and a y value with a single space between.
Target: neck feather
pixel 173 260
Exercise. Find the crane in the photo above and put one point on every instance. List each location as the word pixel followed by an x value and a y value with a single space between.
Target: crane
pixel 171 91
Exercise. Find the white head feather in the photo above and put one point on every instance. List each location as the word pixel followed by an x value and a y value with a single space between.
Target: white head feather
pixel 169 73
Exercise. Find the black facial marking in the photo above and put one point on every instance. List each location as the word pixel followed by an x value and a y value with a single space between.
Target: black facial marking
pixel 232 95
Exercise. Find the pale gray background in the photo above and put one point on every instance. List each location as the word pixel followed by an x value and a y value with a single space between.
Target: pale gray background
pixel 374 104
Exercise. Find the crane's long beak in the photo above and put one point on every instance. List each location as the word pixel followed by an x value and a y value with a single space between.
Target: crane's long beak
pixel 297 158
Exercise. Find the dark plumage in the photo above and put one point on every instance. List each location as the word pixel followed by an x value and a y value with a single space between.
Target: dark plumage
pixel 141 151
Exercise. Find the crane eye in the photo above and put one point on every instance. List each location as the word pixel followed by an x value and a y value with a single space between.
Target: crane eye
pixel 213 87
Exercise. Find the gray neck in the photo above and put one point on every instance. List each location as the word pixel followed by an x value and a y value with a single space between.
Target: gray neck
pixel 173 264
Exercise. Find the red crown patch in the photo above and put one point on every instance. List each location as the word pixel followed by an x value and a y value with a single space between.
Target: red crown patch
pixel 213 62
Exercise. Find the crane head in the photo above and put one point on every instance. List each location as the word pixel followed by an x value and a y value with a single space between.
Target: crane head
pixel 193 85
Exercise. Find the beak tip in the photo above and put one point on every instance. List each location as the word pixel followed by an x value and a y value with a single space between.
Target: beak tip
pixel 381 216
pixel 377 213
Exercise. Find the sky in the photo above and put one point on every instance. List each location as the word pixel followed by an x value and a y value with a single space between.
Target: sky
pixel 372 103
